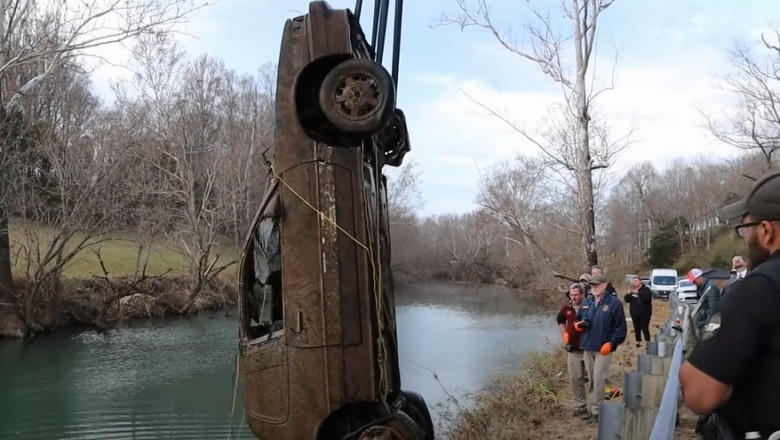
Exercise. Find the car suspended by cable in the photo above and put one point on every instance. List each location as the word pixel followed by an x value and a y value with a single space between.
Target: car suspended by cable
pixel 318 348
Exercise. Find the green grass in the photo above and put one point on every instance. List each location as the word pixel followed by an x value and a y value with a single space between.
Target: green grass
pixel 119 254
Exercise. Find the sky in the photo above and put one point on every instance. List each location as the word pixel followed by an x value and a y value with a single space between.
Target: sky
pixel 671 58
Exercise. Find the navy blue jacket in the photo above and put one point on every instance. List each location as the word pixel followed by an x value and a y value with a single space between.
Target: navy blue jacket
pixel 607 322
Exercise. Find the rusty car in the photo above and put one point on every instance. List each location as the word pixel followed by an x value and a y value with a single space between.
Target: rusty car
pixel 318 351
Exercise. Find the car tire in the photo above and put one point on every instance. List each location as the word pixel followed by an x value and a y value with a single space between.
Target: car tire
pixel 416 408
pixel 357 97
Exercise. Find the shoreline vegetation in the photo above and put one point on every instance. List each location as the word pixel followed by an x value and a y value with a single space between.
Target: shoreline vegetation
pixel 535 402
pixel 92 303
pixel 119 280
pixel 100 302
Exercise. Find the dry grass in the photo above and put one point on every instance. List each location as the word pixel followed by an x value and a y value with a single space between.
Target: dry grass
pixel 536 404
pixel 517 407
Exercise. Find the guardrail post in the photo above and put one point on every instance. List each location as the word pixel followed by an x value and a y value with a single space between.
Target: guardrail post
pixel 649 364
pixel 665 349
pixel 611 417
pixel 643 363
pixel 640 391
pixel 639 423
pixel 632 389
pixel 652 348
pixel 652 390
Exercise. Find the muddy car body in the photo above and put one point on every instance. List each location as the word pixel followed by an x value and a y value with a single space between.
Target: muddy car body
pixel 318 346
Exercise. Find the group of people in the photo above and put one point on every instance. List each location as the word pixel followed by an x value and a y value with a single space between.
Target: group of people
pixel 732 376
pixel 592 325
pixel 709 296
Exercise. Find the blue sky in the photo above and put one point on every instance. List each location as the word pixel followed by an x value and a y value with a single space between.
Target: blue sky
pixel 669 54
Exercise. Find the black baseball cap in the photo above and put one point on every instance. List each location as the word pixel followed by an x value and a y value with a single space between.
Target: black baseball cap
pixel 761 202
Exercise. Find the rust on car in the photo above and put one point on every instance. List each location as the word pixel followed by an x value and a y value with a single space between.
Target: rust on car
pixel 318 346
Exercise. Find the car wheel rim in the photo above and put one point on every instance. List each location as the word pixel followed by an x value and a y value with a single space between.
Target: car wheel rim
pixel 357 96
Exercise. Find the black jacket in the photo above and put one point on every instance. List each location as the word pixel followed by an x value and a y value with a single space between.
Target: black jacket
pixel 641 305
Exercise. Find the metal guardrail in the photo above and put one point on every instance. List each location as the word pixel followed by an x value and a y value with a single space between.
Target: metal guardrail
pixel 666 419
pixel 651 395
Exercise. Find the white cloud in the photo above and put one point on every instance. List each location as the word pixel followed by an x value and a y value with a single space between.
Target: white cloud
pixel 454 138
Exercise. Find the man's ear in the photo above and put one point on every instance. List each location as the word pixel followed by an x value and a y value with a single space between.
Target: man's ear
pixel 773 234
pixel 769 234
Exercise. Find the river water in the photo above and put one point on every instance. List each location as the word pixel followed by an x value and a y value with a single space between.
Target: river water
pixel 175 378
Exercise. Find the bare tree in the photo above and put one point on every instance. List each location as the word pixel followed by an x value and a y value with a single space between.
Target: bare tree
pixel 48 34
pixel 521 196
pixel 403 193
pixel 180 103
pixel 573 139
pixel 67 197
pixel 403 203
pixel 754 123
pixel 247 108
pixel 38 38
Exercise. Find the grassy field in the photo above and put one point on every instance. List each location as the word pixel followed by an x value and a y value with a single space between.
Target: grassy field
pixel 119 254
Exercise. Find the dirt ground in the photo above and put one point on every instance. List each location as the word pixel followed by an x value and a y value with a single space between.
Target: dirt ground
pixel 625 360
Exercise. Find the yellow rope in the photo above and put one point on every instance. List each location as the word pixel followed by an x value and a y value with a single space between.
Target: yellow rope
pixel 235 393
pixel 377 286
pixel 320 213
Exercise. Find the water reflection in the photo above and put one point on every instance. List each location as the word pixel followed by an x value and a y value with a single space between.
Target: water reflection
pixel 161 379
pixel 466 335
pixel 173 379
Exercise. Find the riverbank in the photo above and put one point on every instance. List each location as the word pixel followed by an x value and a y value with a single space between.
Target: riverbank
pixel 536 402
pixel 463 294
pixel 98 304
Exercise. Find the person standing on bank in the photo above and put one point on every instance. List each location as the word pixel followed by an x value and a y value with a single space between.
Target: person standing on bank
pixel 571 340
pixel 640 301
pixel 734 373
pixel 709 298
pixel 738 272
pixel 585 282
pixel 596 269
pixel 603 325
pixel 739 267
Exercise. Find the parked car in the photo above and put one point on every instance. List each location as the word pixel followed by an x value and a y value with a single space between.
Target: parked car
pixel 687 291
pixel 645 281
pixel 663 282
pixel 318 348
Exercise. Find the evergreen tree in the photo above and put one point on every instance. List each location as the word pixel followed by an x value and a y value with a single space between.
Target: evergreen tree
pixel 664 246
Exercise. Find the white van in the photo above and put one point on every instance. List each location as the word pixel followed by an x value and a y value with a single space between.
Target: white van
pixel 663 282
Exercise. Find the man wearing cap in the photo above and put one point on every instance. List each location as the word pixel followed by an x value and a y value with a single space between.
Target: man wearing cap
pixel 709 298
pixel 603 325
pixel 735 372
pixel 585 281
pixel 596 269
pixel 571 340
